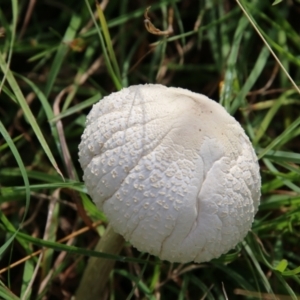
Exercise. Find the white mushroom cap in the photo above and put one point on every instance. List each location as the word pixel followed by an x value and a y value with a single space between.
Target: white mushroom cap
pixel 175 174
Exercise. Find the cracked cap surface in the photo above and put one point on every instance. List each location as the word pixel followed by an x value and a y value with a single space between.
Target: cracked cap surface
pixel 175 174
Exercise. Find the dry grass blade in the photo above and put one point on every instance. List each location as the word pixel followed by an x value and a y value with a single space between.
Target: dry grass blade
pixel 66 238
pixel 153 30
pixel 267 44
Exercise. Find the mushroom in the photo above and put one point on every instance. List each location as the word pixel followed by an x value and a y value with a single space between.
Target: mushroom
pixel 175 174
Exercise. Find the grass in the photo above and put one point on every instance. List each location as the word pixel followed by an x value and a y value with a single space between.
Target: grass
pixel 56 62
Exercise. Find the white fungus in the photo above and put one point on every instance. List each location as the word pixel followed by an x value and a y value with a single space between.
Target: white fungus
pixel 175 174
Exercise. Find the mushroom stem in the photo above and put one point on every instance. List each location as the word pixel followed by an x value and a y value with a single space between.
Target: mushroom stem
pixel 98 270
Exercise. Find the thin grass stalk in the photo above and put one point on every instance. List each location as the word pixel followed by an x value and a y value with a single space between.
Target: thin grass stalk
pixel 110 69
pixel 108 41
pixel 255 26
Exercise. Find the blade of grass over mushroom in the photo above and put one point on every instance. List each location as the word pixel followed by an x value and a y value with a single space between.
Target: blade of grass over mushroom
pixel 27 112
pixel 62 51
pixel 117 80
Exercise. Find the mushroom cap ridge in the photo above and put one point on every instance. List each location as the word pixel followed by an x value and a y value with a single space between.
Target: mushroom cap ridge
pixel 175 174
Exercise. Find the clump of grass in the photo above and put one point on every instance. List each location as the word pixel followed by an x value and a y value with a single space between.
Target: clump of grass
pixel 56 62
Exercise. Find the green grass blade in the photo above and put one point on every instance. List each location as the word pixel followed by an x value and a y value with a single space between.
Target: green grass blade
pixel 111 71
pixel 230 77
pixel 283 156
pixel 7 243
pixel 80 106
pixel 27 112
pixel 20 163
pixel 46 107
pixel 258 268
pixel 27 276
pixel 108 41
pixel 15 9
pixel 259 31
pixel 10 228
pixel 62 51
pixel 6 294
pixel 268 119
pixel 279 138
pixel 75 250
pixel 251 79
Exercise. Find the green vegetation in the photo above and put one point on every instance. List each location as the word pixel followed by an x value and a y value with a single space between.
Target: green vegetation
pixel 58 58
